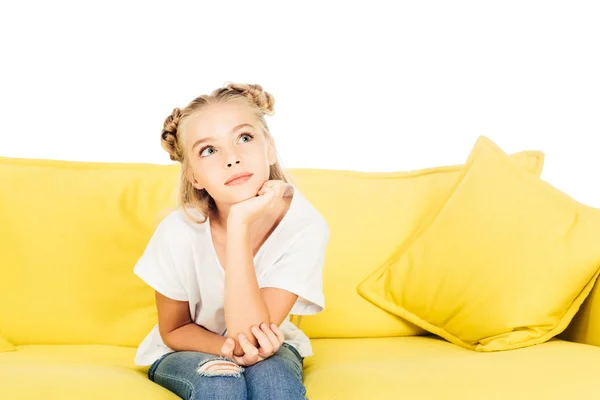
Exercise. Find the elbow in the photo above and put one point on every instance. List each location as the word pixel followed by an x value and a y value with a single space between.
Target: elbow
pixel 236 329
pixel 166 338
pixel 243 323
pixel 165 335
pixel 246 329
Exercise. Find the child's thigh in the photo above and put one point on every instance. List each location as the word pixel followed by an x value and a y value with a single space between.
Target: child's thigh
pixel 196 375
pixel 278 377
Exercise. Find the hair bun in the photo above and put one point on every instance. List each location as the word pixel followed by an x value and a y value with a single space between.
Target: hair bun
pixel 255 93
pixel 168 137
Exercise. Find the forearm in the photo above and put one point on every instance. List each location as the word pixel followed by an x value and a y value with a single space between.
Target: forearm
pixel 193 337
pixel 244 305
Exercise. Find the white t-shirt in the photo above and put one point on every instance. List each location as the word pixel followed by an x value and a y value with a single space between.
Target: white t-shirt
pixel 181 263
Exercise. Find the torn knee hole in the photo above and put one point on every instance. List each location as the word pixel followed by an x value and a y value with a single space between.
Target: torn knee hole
pixel 220 368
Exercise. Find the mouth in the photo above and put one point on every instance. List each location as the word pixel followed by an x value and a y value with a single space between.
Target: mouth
pixel 238 179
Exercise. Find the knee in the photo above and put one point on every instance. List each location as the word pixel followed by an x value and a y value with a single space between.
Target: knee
pixel 275 380
pixel 195 375
pixel 219 379
pixel 219 367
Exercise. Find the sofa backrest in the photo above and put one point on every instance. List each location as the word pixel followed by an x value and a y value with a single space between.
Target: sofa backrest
pixel 71 232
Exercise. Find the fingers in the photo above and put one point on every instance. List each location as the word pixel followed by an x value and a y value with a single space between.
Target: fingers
pixel 248 348
pixel 239 360
pixel 251 355
pixel 278 332
pixel 265 190
pixel 269 338
pixel 227 348
pixel 268 190
pixel 273 339
pixel 266 347
pixel 271 182
pixel 278 187
pixel 270 195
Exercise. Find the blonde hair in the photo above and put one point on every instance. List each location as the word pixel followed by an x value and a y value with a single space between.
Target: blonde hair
pixel 171 139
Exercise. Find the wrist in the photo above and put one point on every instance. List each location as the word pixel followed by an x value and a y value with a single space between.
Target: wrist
pixel 218 350
pixel 236 224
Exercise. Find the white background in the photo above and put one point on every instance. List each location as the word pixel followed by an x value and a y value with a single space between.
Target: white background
pixel 371 86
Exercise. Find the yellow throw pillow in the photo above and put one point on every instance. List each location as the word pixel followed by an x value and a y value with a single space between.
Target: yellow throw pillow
pixel 369 214
pixel 504 263
pixel 5 345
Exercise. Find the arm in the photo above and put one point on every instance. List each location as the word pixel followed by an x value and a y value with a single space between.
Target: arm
pixel 245 304
pixel 179 332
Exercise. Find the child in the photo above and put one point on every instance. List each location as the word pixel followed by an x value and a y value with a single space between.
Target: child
pixel 242 252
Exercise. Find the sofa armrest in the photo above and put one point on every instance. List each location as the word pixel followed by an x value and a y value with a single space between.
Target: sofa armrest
pixel 585 326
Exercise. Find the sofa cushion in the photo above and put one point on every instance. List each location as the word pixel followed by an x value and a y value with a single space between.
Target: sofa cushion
pixel 504 262
pixel 402 367
pixel 94 372
pixel 369 214
pixel 430 368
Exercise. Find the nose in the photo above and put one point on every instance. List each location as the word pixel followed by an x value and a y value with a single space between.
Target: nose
pixel 232 158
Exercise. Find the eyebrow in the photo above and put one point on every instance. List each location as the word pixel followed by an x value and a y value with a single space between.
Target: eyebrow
pixel 206 139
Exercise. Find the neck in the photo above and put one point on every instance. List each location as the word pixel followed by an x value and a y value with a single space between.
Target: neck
pixel 220 215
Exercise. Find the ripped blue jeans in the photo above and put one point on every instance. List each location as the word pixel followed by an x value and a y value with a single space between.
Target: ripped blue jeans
pixel 194 375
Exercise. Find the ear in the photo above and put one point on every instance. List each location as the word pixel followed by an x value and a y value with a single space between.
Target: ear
pixel 271 151
pixel 189 174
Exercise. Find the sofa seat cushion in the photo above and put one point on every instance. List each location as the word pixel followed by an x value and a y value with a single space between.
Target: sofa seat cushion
pixel 75 372
pixel 427 367
pixel 402 367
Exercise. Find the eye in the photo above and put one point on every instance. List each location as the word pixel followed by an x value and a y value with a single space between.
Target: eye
pixel 248 135
pixel 203 152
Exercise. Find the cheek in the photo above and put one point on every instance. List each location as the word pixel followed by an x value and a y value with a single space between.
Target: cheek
pixel 199 168
pixel 256 155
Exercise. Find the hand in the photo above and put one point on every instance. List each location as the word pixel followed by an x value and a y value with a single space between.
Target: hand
pixel 248 211
pixel 269 339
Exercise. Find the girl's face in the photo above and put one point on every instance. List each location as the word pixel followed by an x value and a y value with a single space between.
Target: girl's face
pixel 223 140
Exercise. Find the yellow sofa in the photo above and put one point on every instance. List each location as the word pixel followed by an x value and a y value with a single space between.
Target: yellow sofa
pixel 72 312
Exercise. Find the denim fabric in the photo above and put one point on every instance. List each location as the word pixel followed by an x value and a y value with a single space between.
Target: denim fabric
pixel 279 377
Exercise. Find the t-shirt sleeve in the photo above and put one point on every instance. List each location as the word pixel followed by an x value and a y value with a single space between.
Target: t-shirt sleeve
pixel 300 270
pixel 160 264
